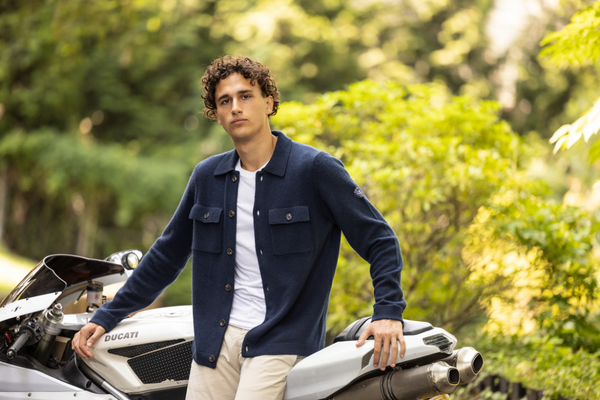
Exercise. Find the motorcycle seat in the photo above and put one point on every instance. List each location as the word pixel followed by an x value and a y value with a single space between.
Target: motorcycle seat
pixel 355 329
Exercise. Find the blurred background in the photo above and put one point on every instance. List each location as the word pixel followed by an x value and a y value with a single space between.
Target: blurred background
pixel 441 110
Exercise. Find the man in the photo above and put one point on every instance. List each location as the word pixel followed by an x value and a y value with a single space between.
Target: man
pixel 263 223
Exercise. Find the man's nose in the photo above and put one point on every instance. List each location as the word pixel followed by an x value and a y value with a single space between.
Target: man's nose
pixel 236 107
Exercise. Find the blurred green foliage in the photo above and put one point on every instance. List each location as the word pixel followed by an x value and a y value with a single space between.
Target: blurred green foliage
pixel 576 45
pixel 71 184
pixel 427 161
pixel 450 178
pixel 561 271
pixel 126 73
pixel 541 363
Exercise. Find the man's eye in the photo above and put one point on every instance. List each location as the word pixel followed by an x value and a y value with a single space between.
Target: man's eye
pixel 246 96
pixel 224 101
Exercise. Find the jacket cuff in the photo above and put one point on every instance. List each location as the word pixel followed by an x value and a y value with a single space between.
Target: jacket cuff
pixel 104 319
pixel 391 311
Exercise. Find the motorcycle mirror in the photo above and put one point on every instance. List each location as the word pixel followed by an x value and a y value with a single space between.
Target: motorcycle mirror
pixel 129 259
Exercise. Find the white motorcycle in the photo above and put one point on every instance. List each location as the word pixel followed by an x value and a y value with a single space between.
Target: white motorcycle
pixel 148 356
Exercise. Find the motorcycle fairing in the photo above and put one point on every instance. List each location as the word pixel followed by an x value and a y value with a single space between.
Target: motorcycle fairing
pixel 125 356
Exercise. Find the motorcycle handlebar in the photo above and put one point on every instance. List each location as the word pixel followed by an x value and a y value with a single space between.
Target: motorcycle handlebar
pixel 20 342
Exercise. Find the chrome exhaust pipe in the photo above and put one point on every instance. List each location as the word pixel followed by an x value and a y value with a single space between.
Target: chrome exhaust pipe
pixel 416 383
pixel 468 361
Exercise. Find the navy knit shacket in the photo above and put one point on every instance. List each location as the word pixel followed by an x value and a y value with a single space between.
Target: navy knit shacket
pixel 304 200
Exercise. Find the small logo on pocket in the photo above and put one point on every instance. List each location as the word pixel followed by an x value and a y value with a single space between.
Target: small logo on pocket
pixel 358 193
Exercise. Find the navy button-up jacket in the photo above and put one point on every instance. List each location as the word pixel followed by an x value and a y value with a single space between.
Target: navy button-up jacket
pixel 304 200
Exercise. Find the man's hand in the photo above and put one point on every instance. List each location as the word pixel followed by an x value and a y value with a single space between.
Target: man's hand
pixel 86 338
pixel 387 333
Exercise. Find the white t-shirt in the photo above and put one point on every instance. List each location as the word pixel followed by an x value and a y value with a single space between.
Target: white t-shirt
pixel 249 307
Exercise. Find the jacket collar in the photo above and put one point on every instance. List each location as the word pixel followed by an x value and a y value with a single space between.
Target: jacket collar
pixel 276 165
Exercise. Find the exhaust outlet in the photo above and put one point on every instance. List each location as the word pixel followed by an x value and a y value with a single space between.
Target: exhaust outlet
pixel 468 361
pixel 416 383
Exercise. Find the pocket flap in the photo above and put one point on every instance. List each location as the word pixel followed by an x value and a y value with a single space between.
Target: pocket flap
pixel 209 215
pixel 288 215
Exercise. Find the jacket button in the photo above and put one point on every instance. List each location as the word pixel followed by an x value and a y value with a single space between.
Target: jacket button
pixel 222 322
pixel 211 358
pixel 231 214
pixel 228 287
pixel 229 252
pixel 234 178
pixel 288 216
pixel 206 215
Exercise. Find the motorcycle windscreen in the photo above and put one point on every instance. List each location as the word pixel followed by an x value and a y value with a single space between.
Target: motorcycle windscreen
pixel 49 279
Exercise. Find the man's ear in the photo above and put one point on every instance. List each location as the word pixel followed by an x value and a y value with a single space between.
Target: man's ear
pixel 269 105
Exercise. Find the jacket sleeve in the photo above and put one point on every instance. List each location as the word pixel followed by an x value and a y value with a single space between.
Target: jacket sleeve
pixel 367 232
pixel 158 269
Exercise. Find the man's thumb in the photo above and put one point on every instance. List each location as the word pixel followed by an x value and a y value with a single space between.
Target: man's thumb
pixel 363 337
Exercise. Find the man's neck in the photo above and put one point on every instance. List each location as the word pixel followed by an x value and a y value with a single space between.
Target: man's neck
pixel 256 153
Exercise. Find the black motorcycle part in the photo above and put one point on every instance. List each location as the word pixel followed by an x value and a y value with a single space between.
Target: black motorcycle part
pixel 171 363
pixel 355 329
pixel 167 394
pixel 44 347
pixel 77 378
pixel 20 342
pixel 138 350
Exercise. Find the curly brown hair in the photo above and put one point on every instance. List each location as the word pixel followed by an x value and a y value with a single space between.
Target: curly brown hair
pixel 251 69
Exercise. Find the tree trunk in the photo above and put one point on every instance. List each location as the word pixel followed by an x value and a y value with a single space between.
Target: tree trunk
pixel 3 200
pixel 88 225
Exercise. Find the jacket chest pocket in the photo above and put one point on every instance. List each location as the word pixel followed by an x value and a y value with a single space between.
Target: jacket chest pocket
pixel 208 229
pixel 290 230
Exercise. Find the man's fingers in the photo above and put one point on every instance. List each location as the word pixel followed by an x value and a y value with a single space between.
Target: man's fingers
pixel 73 341
pixel 394 352
pixel 78 344
pixel 82 343
pixel 85 338
pixel 94 338
pixel 385 354
pixel 402 346
pixel 377 351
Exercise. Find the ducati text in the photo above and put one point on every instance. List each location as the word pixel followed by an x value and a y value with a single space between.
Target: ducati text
pixel 120 336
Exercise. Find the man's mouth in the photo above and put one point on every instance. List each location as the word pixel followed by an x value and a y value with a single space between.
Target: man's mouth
pixel 238 121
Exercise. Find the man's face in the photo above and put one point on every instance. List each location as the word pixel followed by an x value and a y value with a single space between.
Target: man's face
pixel 241 108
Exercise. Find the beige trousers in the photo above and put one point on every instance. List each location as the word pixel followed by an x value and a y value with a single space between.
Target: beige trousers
pixel 237 377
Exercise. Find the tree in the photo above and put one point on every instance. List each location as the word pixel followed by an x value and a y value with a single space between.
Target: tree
pixel 127 74
pixel 577 44
pixel 428 161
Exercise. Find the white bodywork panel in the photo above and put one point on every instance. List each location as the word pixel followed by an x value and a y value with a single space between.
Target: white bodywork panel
pixel 79 395
pixel 74 322
pixel 332 368
pixel 14 378
pixel 147 327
